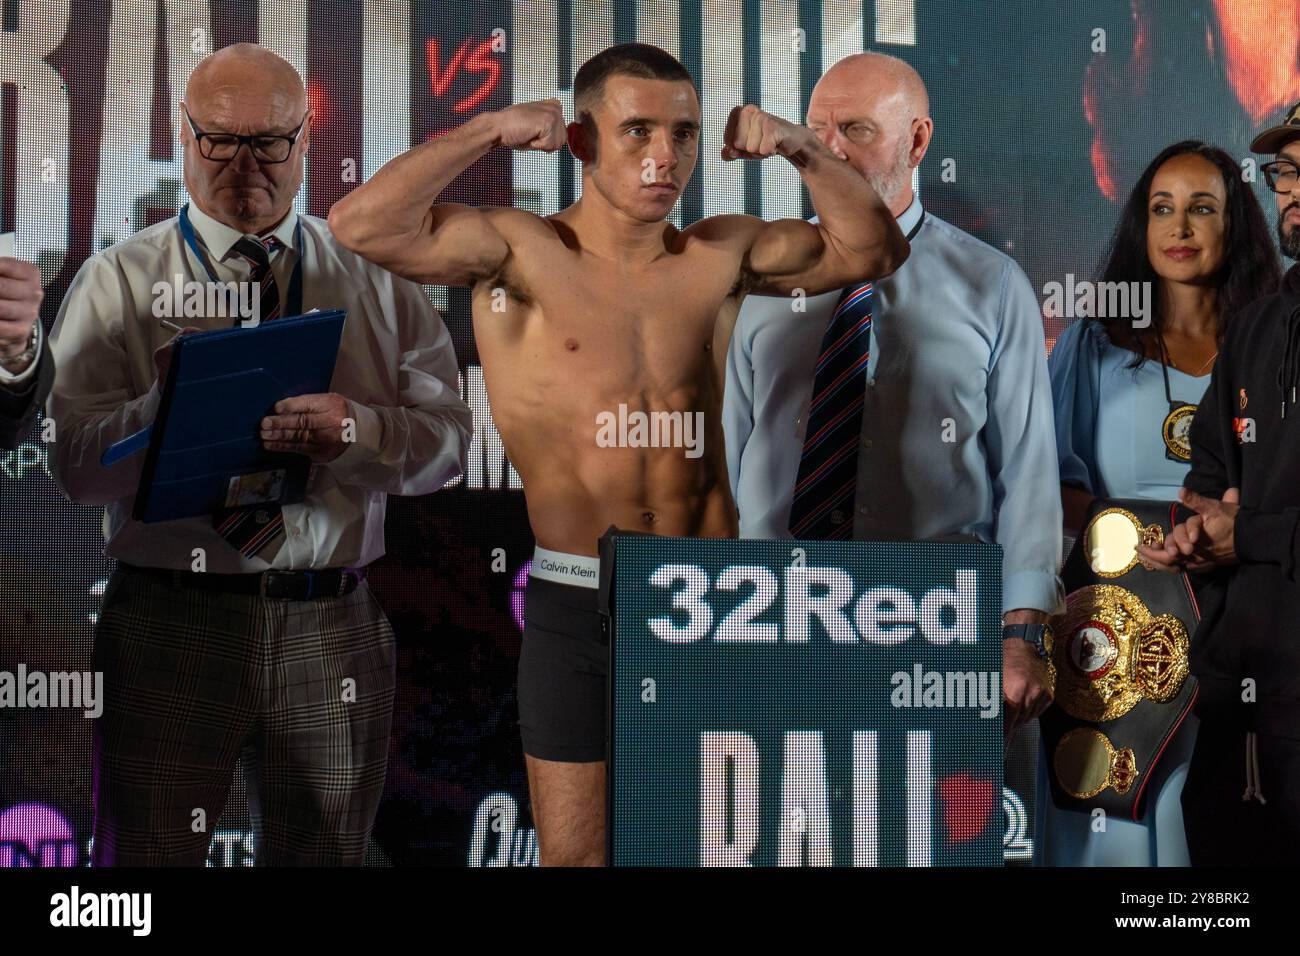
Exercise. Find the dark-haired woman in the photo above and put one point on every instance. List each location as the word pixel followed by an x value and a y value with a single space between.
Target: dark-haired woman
pixel 1124 390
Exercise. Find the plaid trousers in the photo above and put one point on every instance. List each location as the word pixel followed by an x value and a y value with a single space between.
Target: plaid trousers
pixel 193 680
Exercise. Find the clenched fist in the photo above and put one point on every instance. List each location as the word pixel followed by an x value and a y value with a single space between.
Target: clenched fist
pixel 1026 686
pixel 538 125
pixel 20 305
pixel 753 134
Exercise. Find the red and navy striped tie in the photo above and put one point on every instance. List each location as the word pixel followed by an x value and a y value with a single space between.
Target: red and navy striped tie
pixel 822 507
pixel 258 253
pixel 254 528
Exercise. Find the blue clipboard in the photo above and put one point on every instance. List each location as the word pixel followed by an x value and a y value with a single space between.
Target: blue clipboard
pixel 203 449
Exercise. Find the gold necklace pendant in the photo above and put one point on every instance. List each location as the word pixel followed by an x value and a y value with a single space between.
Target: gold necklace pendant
pixel 1208 362
pixel 1176 431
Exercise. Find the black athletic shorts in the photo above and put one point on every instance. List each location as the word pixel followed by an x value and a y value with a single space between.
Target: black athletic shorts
pixel 563 673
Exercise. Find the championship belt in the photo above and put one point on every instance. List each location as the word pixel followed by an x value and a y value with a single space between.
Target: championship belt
pixel 1120 661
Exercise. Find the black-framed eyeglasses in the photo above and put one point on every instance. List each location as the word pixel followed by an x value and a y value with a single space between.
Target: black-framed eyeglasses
pixel 1280 175
pixel 266 148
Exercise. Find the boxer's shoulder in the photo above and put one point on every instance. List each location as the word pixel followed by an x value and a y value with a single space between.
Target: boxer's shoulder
pixel 729 230
pixel 523 226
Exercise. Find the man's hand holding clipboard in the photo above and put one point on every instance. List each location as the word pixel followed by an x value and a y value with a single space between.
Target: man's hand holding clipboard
pixel 313 425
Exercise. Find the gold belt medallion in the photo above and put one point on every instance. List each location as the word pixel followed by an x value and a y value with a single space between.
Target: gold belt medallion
pixel 1112 652
pixel 1086 763
pixel 1111 538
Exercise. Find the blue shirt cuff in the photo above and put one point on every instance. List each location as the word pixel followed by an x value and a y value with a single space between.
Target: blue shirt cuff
pixel 1037 590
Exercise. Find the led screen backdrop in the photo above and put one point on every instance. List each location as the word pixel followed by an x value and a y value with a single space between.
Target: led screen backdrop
pixel 823 703
pixel 1044 114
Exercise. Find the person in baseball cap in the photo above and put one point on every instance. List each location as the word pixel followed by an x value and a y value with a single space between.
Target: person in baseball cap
pixel 1241 799
pixel 1282 176
pixel 1274 138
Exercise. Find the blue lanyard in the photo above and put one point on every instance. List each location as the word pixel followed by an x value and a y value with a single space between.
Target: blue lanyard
pixel 294 305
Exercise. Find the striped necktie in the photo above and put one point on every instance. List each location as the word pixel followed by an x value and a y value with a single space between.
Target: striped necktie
pixel 253 529
pixel 258 253
pixel 822 506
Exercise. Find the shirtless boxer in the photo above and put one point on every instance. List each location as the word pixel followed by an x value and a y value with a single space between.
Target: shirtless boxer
pixel 600 305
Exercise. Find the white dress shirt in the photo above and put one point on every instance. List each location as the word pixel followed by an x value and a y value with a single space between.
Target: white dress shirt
pixel 957 430
pixel 396 366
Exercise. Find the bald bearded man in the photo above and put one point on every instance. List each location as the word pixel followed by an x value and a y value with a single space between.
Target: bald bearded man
pixel 947 427
pixel 272 649
pixel 599 312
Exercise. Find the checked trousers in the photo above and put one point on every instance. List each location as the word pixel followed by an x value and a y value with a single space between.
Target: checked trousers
pixel 194 680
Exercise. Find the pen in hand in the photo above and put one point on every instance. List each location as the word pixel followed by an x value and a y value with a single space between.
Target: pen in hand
pixel 162 354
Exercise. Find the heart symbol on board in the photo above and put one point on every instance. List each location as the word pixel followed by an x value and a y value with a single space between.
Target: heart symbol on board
pixel 967 805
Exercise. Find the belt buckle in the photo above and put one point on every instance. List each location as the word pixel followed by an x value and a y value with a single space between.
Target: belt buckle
pixel 275 584
pixel 271 585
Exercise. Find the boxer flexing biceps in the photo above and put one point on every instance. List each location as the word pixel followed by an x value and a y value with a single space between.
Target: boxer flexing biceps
pixel 592 315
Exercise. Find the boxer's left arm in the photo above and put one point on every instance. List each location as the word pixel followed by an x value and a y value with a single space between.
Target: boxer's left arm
pixel 856 237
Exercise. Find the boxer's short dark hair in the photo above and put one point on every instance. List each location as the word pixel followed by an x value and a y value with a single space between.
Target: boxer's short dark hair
pixel 628 59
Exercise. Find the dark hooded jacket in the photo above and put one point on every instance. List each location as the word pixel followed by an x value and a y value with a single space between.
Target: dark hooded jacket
pixel 1246 435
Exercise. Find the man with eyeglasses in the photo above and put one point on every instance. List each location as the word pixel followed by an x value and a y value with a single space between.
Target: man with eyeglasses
pixel 273 651
pixel 944 429
pixel 1241 801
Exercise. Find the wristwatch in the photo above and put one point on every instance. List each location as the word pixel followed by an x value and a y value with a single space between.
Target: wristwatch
pixel 23 358
pixel 1038 635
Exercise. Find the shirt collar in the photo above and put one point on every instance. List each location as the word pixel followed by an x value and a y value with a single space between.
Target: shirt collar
pixel 219 238
pixel 906 221
pixel 911 215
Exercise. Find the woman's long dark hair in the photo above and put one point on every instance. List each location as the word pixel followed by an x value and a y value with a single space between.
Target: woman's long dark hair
pixel 1250 265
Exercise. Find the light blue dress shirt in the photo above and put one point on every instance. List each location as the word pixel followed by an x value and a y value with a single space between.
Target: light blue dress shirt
pixel 1108 436
pixel 1113 448
pixel 957 433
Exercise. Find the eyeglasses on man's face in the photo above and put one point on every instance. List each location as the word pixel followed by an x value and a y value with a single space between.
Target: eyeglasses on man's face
pixel 266 148
pixel 1280 175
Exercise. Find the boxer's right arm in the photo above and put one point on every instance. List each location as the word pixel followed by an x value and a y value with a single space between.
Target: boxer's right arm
pixel 394 221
